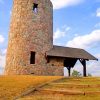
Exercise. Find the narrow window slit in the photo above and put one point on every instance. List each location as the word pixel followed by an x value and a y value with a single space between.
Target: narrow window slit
pixel 35 7
pixel 32 58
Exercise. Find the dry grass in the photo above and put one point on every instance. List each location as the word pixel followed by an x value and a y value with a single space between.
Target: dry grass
pixel 60 97
pixel 54 90
pixel 12 86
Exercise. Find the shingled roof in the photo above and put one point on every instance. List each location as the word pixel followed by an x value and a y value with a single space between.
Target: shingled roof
pixel 67 52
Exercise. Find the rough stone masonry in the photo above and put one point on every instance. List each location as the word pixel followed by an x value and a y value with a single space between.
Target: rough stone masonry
pixel 30 37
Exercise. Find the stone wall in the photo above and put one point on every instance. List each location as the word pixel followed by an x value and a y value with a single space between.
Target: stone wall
pixel 56 66
pixel 29 31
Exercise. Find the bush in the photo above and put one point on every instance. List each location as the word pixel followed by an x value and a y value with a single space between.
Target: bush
pixel 76 74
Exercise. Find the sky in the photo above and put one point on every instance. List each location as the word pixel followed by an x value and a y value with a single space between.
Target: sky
pixel 76 23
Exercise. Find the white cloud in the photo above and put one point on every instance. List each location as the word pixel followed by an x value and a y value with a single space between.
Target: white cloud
pixel 4 51
pixel 85 41
pixel 59 33
pixel 98 56
pixel 98 12
pixel 58 4
pixel 93 67
pixel 1 39
pixel 97 25
pixel 2 60
pixel 10 12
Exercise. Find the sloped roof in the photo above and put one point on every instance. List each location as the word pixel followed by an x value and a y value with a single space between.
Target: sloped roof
pixel 67 52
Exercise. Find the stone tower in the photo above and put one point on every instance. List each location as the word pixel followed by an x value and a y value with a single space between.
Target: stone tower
pixel 30 36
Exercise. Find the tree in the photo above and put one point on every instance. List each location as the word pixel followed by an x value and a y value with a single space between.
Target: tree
pixel 76 73
pixel 89 75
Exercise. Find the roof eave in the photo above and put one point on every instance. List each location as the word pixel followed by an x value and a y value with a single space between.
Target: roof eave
pixel 72 57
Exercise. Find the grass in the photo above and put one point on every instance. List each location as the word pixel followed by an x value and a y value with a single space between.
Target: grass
pixel 12 86
pixel 60 97
pixel 83 85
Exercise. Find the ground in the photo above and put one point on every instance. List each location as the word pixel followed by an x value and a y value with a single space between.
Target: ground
pixel 49 88
pixel 13 86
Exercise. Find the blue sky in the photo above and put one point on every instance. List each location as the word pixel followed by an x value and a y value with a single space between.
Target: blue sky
pixel 76 24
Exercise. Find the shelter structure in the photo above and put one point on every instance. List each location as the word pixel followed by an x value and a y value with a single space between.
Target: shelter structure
pixel 70 56
pixel 30 46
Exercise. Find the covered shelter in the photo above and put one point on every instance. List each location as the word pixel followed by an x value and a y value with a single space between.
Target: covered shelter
pixel 69 56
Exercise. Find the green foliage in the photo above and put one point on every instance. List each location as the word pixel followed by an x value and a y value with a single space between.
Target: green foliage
pixel 76 73
pixel 89 75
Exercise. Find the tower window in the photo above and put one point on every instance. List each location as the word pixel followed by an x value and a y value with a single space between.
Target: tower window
pixel 32 58
pixel 35 7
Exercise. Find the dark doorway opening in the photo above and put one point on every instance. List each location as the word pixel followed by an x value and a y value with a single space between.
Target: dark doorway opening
pixel 32 58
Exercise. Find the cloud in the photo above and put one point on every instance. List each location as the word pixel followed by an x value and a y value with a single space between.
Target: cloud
pixel 97 25
pixel 98 56
pixel 98 12
pixel 1 39
pixel 2 60
pixel 85 41
pixel 4 51
pixel 58 4
pixel 10 12
pixel 59 33
pixel 2 56
pixel 93 67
